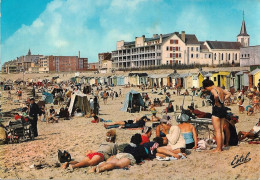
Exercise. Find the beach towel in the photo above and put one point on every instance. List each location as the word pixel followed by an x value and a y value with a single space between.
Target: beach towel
pixel 101 120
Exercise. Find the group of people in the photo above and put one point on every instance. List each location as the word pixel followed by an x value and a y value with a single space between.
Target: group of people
pixel 140 148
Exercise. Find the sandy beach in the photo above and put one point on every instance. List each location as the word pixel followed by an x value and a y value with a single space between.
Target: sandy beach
pixel 79 134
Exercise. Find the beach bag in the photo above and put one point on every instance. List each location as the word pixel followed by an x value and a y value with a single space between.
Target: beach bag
pixel 64 156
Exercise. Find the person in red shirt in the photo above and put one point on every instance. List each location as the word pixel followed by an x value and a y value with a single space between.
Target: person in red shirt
pixel 17 116
pixel 147 132
pixel 198 113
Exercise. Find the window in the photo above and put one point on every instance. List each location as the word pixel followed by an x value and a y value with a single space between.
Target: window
pixel 170 55
pixel 215 78
pixel 176 41
pixel 209 55
pixel 191 55
pixel 177 55
pixel 197 56
pixel 235 56
pixel 205 56
pixel 197 48
pixel 167 48
pixel 180 55
pixel 229 56
pixel 222 56
pixel 179 62
pixel 171 41
pixel 179 48
pixel 167 62
pixel 191 48
pixel 242 55
pixel 247 55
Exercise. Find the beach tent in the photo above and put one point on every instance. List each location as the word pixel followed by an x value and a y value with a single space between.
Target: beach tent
pixel 186 80
pixel 254 77
pixel 131 98
pixel 159 79
pixel 73 79
pixel 114 80
pixel 120 80
pixel 126 80
pixel 220 78
pixel 242 79
pixel 47 97
pixel 137 78
pixel 204 75
pixel 7 87
pixel 174 80
pixel 92 81
pixel 109 80
pixel 79 100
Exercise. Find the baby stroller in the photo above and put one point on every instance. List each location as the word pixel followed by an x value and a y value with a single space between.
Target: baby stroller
pixel 19 131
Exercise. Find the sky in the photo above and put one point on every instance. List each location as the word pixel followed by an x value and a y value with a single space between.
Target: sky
pixel 64 27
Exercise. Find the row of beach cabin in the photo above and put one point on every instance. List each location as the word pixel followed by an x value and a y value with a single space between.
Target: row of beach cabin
pixel 238 80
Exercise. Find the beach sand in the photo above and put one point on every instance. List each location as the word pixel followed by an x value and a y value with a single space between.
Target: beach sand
pixel 79 134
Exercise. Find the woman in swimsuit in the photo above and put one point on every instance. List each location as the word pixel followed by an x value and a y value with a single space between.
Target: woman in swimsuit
pixel 217 97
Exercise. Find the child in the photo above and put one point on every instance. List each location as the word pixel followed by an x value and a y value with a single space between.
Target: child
pixel 240 105
pixel 249 110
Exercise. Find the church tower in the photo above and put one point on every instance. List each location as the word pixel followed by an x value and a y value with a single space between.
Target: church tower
pixel 29 52
pixel 243 37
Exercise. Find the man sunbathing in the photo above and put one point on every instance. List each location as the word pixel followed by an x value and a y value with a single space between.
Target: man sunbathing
pixel 137 123
pixel 253 133
pixel 93 158
pixel 198 113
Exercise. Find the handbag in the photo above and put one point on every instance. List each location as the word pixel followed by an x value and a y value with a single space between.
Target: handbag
pixel 64 156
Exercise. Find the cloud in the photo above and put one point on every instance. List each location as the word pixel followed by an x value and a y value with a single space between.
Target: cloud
pixel 67 26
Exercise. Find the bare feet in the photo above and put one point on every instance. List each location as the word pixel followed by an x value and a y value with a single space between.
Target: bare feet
pixel 71 167
pixel 65 165
pixel 105 125
pixel 216 151
pixel 99 169
pixel 92 170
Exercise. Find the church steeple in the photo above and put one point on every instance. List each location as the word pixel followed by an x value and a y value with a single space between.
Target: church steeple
pixel 243 37
pixel 243 28
pixel 29 52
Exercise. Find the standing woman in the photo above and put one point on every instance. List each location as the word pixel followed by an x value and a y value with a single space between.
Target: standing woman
pixel 219 112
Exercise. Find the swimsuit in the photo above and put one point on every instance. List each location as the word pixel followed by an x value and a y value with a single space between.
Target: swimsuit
pixel 219 112
pixel 188 136
pixel 91 155
pixel 162 134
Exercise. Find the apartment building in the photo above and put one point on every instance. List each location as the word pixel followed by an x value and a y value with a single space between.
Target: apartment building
pixel 177 48
pixel 63 63
pixel 9 67
pixel 44 64
pixel 82 64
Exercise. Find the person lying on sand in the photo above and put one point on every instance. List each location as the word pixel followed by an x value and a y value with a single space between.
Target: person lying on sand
pixel 137 123
pixel 96 118
pixel 253 133
pixel 105 150
pixel 198 113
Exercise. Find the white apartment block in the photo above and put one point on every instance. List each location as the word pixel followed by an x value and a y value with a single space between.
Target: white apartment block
pixel 177 48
